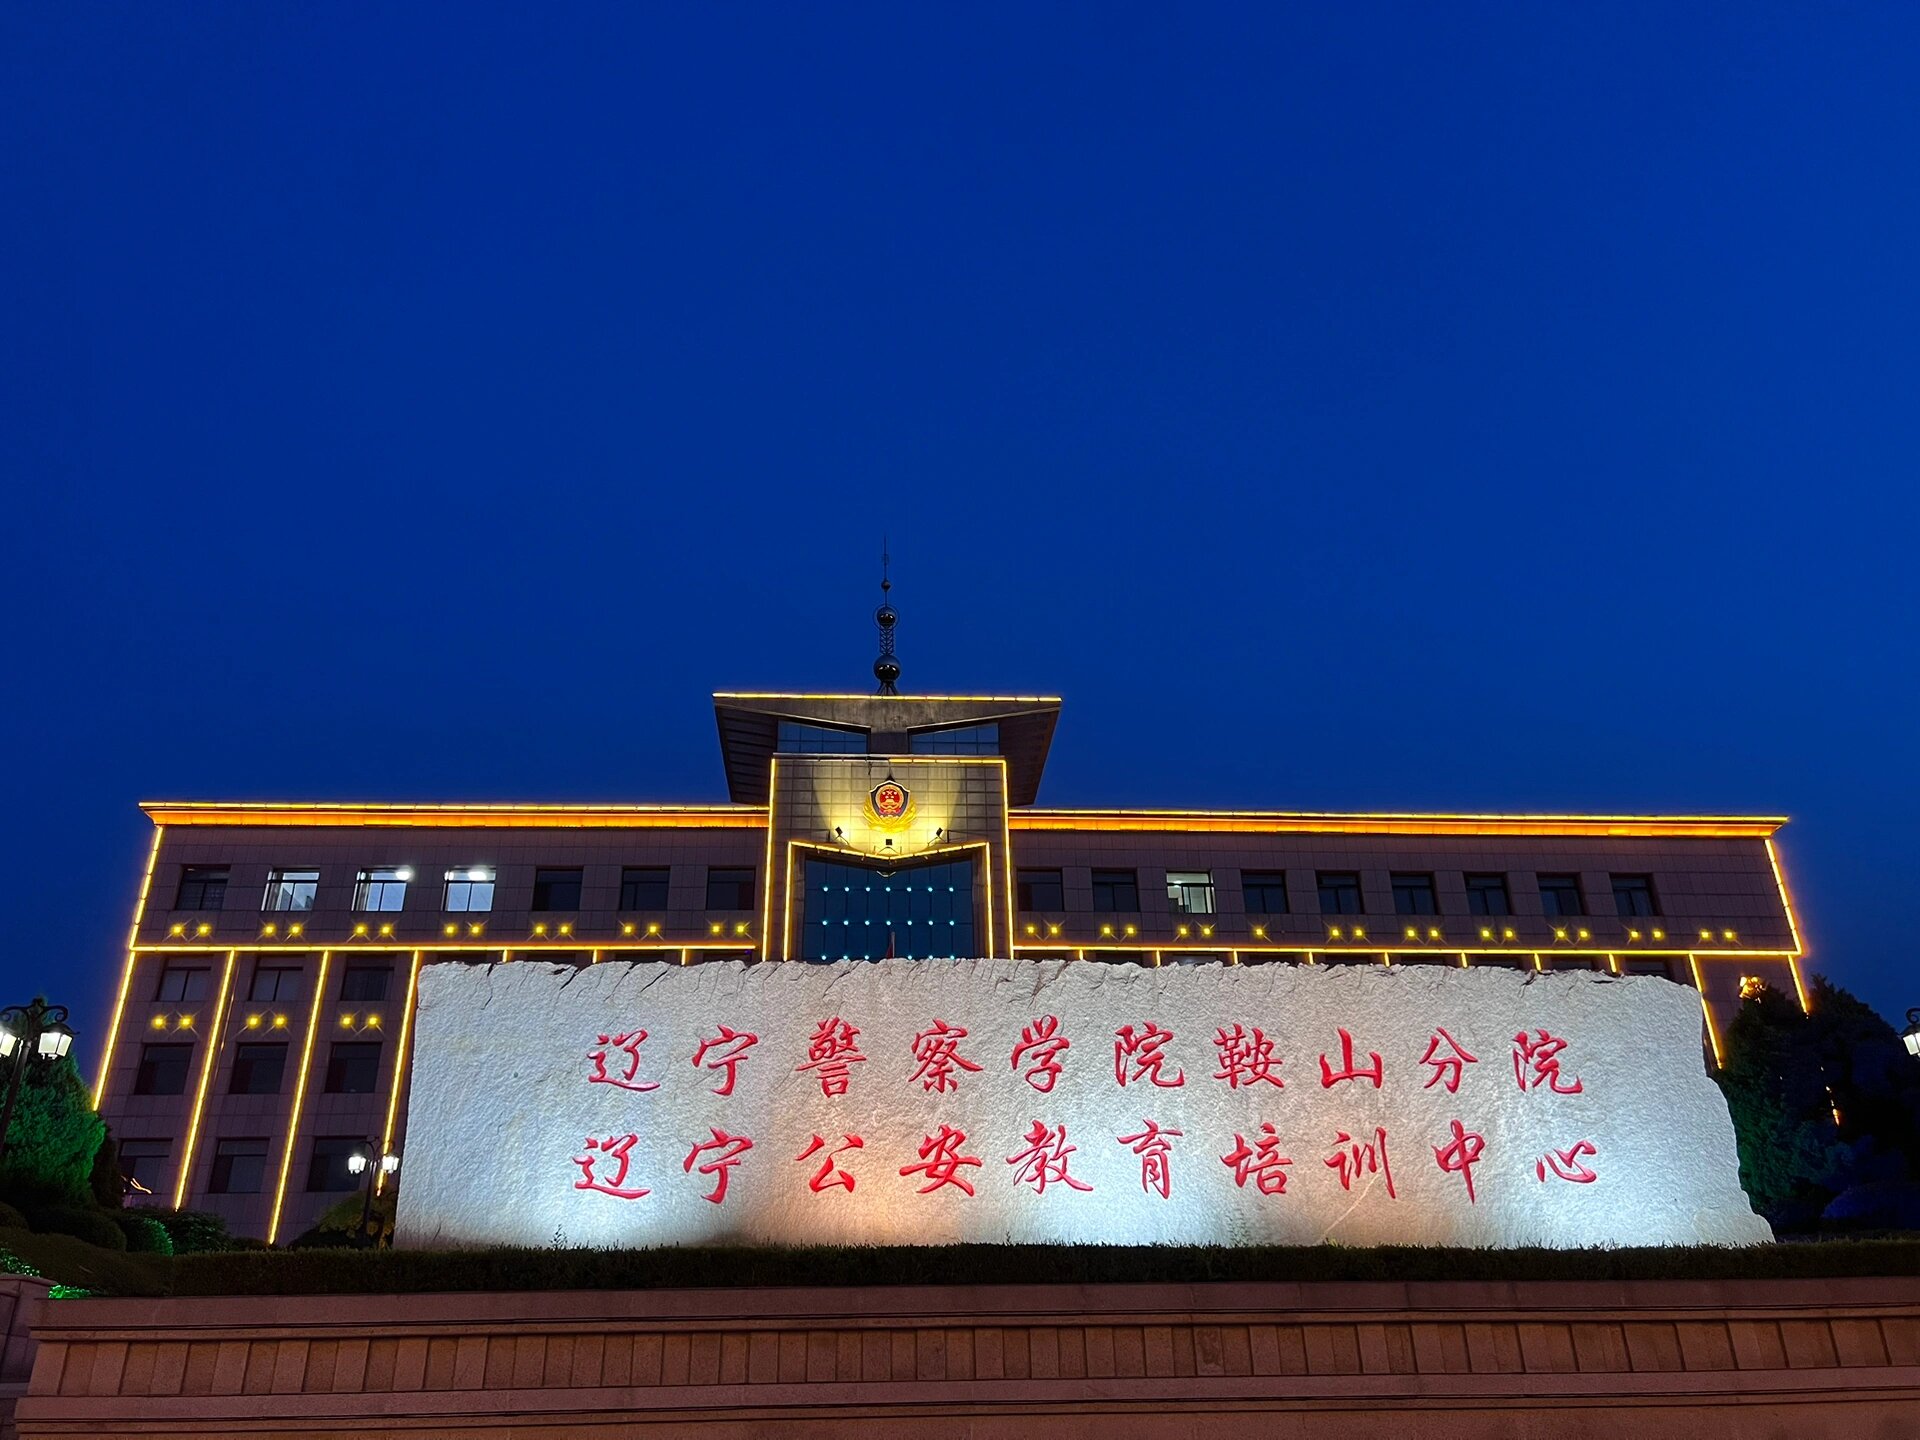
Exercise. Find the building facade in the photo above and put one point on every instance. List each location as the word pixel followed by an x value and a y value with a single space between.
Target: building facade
pixel 261 1031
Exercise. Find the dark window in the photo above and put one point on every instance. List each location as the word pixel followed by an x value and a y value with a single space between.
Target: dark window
pixel 163 1070
pixel 795 737
pixel 1121 957
pixel 1348 957
pixel 1265 891
pixel 1190 892
pixel 275 984
pixel 1116 891
pixel 353 1067
pixel 290 889
pixel 202 887
pixel 142 1163
pixel 1646 966
pixel 1041 890
pixel 469 889
pixel 239 1167
pixel 644 887
pixel 1487 895
pixel 382 888
pixel 257 1069
pixel 1560 895
pixel 329 1170
pixel 1502 962
pixel 365 982
pixel 1339 892
pixel 1633 895
pixel 556 889
pixel 1413 895
pixel 182 984
pixel 730 889
pixel 960 740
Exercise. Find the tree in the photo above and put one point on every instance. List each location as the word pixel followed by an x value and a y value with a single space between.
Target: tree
pixel 53 1139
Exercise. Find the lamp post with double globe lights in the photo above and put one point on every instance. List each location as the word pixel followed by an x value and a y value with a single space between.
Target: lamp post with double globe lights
pixel 30 1035
pixel 362 1162
pixel 1910 1037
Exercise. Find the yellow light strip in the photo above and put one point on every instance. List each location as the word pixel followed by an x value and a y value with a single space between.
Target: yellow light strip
pixel 1793 927
pixel 399 1071
pixel 1284 822
pixel 504 817
pixel 766 900
pixel 1713 1032
pixel 1006 854
pixel 126 972
pixel 216 1038
pixel 299 1094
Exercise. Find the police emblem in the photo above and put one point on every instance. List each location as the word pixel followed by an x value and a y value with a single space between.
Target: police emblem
pixel 889 804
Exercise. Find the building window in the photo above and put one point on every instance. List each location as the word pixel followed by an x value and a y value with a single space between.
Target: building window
pixel 202 887
pixel 469 889
pixel 239 1167
pixel 257 1069
pixel 1487 895
pixel 1116 891
pixel 959 740
pixel 1560 895
pixel 1633 895
pixel 1264 891
pixel 730 889
pixel 353 1067
pixel 290 889
pixel 1413 895
pixel 365 982
pixel 328 1171
pixel 163 1070
pixel 1339 892
pixel 141 1165
pixel 1646 965
pixel 1190 892
pixel 798 738
pixel 644 887
pixel 557 889
pixel 1040 890
pixel 182 984
pixel 275 984
pixel 384 888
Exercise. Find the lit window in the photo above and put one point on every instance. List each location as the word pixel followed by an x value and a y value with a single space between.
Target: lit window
pixel 1116 891
pixel 1339 892
pixel 290 890
pixel 1190 892
pixel 257 1069
pixel 1040 890
pixel 958 740
pixel 163 1070
pixel 556 889
pixel 730 889
pixel 1413 895
pixel 798 738
pixel 239 1167
pixel 353 1067
pixel 1264 891
pixel 469 888
pixel 182 984
pixel 644 887
pixel 202 887
pixel 1487 895
pixel 1560 895
pixel 275 984
pixel 365 982
pixel 384 888
pixel 1633 895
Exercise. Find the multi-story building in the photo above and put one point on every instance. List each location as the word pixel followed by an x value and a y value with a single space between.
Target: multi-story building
pixel 261 1030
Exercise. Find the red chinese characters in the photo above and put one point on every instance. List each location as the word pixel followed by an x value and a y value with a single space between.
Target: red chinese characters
pixel 830 1055
pixel 1145 1049
pixel 1355 1158
pixel 1044 1161
pixel 1565 1164
pixel 1329 1077
pixel 1153 1148
pixel 1246 1059
pixel 1260 1162
pixel 830 1175
pixel 1460 1154
pixel 616 1149
pixel 1040 1045
pixel 728 1150
pixel 1536 1062
pixel 1448 1067
pixel 728 1049
pixel 629 1045
pixel 937 1048
pixel 941 1159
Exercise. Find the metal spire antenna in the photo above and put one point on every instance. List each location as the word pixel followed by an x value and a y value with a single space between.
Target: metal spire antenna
pixel 886 669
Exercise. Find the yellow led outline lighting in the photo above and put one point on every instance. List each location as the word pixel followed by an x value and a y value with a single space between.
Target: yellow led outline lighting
pixel 1706 1009
pixel 126 972
pixel 1793 926
pixel 299 1095
pixel 468 816
pixel 1006 857
pixel 399 1070
pixel 216 1040
pixel 794 846
pixel 1282 822
pixel 766 902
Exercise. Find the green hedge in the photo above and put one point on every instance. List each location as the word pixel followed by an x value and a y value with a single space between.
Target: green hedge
pixel 332 1272
pixel 74 1262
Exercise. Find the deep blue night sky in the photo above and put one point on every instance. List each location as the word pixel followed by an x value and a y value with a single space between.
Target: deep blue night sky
pixel 1346 408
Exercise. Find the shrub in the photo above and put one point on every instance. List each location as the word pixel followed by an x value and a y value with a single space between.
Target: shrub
pixel 10 1218
pixel 93 1226
pixel 145 1235
pixel 194 1231
pixel 68 1261
pixel 53 1139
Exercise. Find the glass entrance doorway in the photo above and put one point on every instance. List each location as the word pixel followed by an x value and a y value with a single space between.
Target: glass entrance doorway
pixel 865 911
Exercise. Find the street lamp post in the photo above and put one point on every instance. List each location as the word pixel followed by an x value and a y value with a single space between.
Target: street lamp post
pixel 361 1162
pixel 29 1034
pixel 1910 1036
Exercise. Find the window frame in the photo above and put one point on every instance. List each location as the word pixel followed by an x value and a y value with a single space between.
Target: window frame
pixel 240 1058
pixel 144 1068
pixel 631 881
pixel 332 1147
pixel 1113 884
pixel 1480 884
pixel 379 883
pixel 280 972
pixel 1028 900
pixel 1413 884
pixel 1646 888
pixel 284 885
pixel 730 875
pixel 361 969
pixel 1264 883
pixel 344 1066
pixel 220 1181
pixel 190 994
pixel 206 883
pixel 468 880
pixel 1555 884
pixel 1340 883
pixel 546 878
pixel 1191 889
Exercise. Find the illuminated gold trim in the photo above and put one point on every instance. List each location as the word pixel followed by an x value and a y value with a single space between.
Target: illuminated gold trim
pixel 1793 926
pixel 1006 854
pixel 400 1068
pixel 299 1095
pixel 1285 822
pixel 216 1039
pixel 766 880
pixel 479 816
pixel 1706 1009
pixel 126 972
